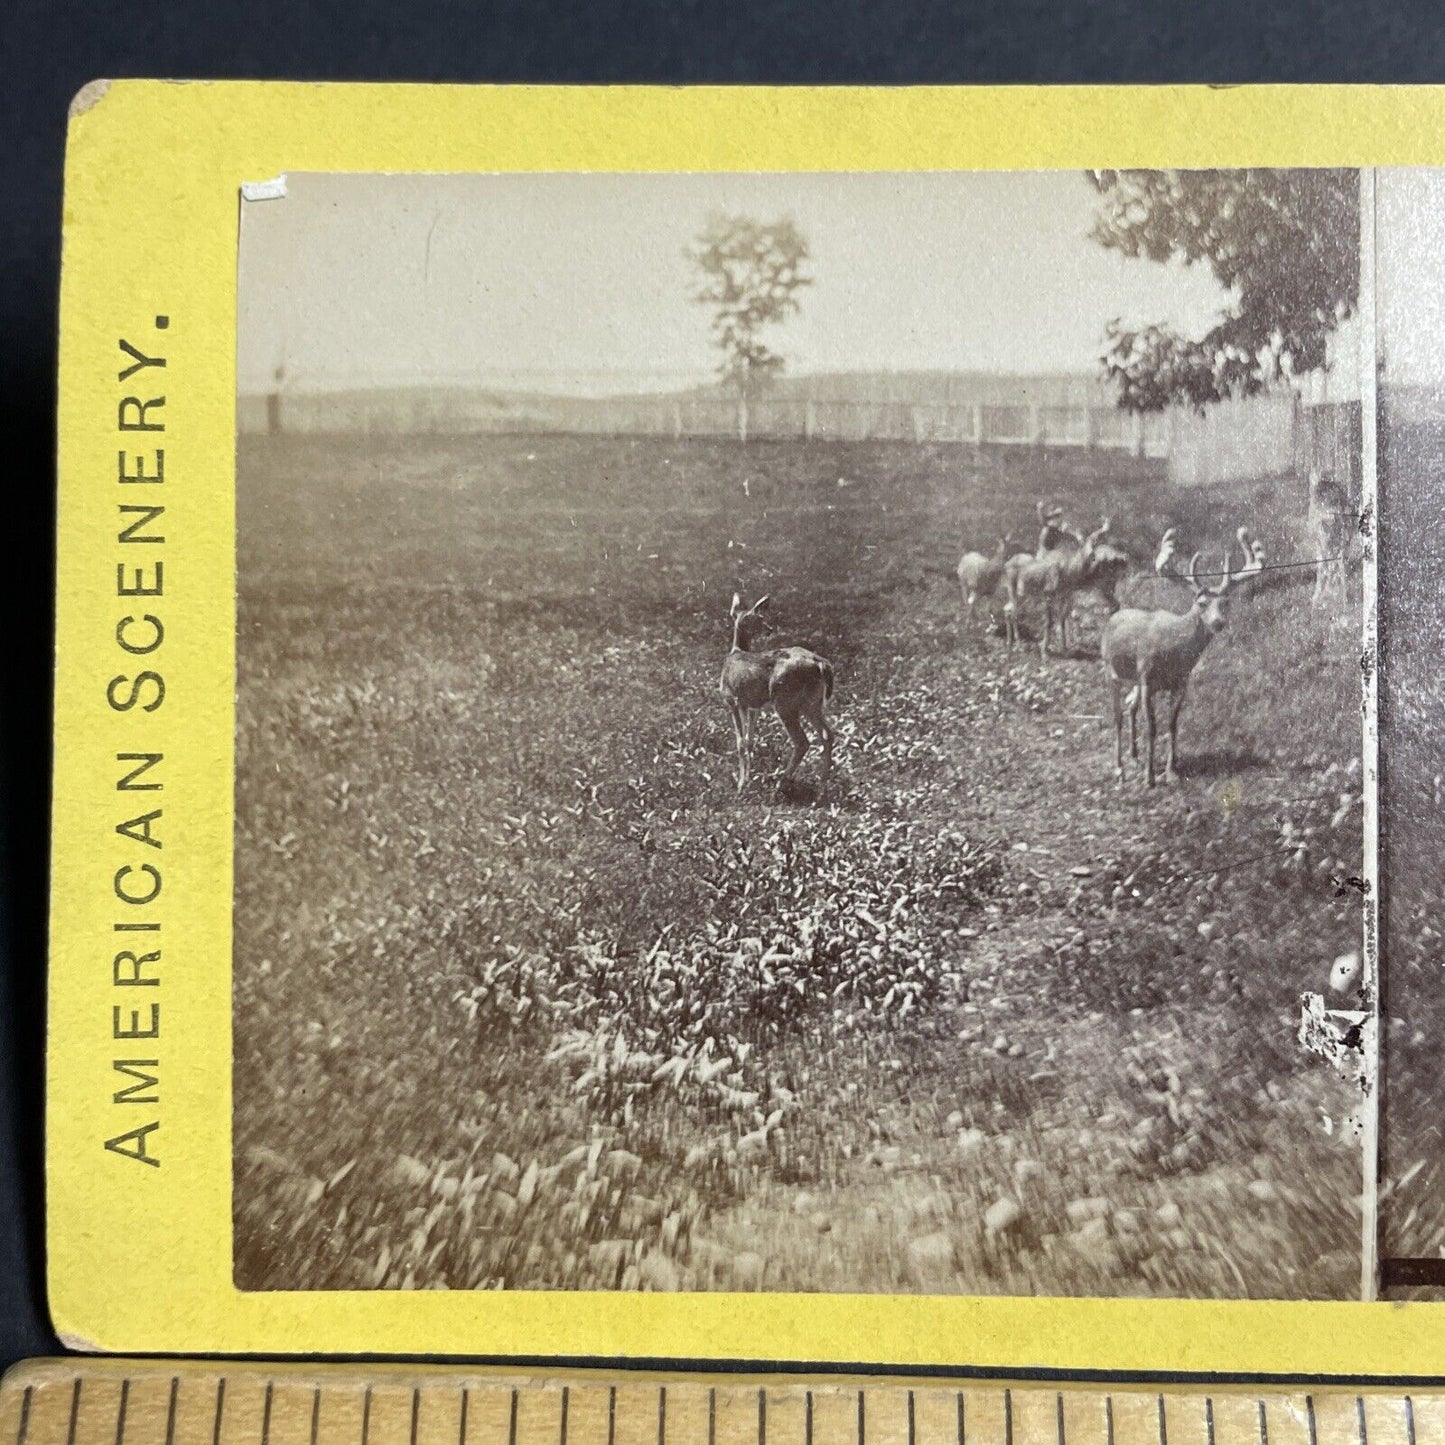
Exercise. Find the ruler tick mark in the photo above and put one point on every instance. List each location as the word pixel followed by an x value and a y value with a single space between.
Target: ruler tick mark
pixel 74 1412
pixel 512 1420
pixel 265 1416
pixel 762 1418
pixel 415 1411
pixel 171 1410
pixel 462 1423
pixel 1008 1417
pixel 912 1432
pixel 612 1417
pixel 808 1418
pixel 1109 1421
pixel 1409 1421
pixel 1263 1425
pixel 711 1420
pixel 366 1416
pixel 1059 1416
pixel 962 1432
pixel 1360 1419
pixel 1209 1419
pixel 315 1414
pixel 220 1410
pixel 1163 1426
pixel 662 1415
pixel 120 1413
pixel 562 1428
pixel 24 1428
pixel 862 1419
pixel 1310 1419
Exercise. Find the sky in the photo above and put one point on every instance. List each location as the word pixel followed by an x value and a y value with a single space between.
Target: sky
pixel 580 282
pixel 1410 273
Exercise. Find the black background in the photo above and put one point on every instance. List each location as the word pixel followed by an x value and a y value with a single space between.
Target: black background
pixel 51 50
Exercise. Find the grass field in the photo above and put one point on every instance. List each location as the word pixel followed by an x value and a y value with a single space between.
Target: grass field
pixel 526 997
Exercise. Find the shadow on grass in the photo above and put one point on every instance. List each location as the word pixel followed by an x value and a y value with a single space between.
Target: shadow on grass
pixel 1220 764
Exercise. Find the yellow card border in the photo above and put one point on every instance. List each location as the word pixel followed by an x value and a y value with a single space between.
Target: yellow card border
pixel 140 1256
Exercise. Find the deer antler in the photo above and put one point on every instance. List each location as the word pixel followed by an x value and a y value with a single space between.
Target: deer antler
pixel 1168 545
pixel 1225 582
pixel 1253 550
pixel 1193 571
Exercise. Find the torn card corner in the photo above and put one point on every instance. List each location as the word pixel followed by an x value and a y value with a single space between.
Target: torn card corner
pixel 87 98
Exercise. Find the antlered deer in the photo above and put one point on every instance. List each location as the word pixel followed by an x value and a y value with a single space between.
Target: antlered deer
pixel 1053 575
pixel 1154 651
pixel 794 682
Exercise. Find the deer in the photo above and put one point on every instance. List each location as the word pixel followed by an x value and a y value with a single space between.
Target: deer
pixel 795 683
pixel 1146 652
pixel 1055 575
pixel 980 575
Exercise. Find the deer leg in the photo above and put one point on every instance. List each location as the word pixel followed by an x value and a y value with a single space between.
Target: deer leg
pixel 819 718
pixel 1176 706
pixel 1146 698
pixel 1132 703
pixel 739 743
pixel 1118 730
pixel 1010 623
pixel 800 744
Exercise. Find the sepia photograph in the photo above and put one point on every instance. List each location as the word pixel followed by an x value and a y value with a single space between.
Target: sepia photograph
pixel 802 732
pixel 1411 365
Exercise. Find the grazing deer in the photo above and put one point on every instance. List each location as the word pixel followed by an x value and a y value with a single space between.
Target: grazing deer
pixel 979 575
pixel 1054 575
pixel 796 683
pixel 1153 651
pixel 1331 528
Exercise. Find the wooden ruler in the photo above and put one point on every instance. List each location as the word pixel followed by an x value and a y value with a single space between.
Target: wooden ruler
pixel 196 1402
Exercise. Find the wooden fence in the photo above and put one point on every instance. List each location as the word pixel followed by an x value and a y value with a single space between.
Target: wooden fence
pixel 1003 424
pixel 1266 436
pixel 1255 438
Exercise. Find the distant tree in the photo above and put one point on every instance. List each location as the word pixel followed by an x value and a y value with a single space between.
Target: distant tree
pixel 1283 243
pixel 750 273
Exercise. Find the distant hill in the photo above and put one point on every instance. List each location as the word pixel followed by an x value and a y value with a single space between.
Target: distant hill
pixel 919 388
